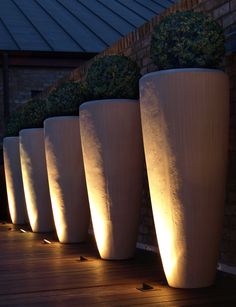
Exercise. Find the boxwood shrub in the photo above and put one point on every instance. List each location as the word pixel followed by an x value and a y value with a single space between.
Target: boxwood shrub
pixel 31 115
pixel 66 99
pixel 113 76
pixel 187 39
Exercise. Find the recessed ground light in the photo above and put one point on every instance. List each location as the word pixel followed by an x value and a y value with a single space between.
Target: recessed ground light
pixel 22 230
pixel 45 241
pixel 145 287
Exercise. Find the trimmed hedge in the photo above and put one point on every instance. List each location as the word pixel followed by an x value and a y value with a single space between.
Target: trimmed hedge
pixel 113 76
pixel 187 39
pixel 31 115
pixel 66 99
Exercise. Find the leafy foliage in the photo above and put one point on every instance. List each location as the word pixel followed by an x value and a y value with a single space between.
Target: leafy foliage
pixel 187 39
pixel 66 99
pixel 31 115
pixel 113 76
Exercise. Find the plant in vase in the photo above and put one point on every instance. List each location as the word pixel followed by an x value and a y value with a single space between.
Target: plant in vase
pixel 31 114
pixel 64 162
pixel 113 77
pixel 113 154
pixel 66 99
pixel 187 40
pixel 184 113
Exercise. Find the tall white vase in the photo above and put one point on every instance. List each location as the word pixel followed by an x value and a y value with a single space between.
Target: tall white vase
pixel 35 180
pixel 66 178
pixel 113 160
pixel 14 184
pixel 185 130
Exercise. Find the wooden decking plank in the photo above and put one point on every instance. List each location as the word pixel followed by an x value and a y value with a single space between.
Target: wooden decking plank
pixel 127 298
pixel 36 274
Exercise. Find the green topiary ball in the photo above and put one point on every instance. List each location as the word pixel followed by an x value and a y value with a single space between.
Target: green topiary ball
pixel 66 99
pixel 31 115
pixel 187 39
pixel 113 76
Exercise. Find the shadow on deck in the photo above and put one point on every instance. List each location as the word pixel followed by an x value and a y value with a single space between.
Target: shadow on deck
pixel 35 273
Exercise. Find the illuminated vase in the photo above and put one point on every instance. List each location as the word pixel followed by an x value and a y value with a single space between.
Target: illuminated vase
pixel 35 180
pixel 184 116
pixel 113 160
pixel 14 184
pixel 66 178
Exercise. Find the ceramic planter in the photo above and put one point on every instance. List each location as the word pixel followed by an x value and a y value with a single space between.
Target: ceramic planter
pixel 113 160
pixel 66 178
pixel 35 180
pixel 185 130
pixel 14 185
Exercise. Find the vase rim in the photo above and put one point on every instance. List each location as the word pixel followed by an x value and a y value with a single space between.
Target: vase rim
pixel 30 130
pixel 63 117
pixel 10 137
pixel 109 100
pixel 179 70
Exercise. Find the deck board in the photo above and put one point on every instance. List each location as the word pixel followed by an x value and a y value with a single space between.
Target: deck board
pixel 36 274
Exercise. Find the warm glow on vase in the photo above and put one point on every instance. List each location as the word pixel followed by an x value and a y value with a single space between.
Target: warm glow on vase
pixel 28 187
pixel 162 173
pixel 184 116
pixel 66 178
pixel 14 184
pixel 113 160
pixel 55 194
pixel 35 181
pixel 96 185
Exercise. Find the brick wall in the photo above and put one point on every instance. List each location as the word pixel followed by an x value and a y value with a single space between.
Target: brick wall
pixel 24 80
pixel 136 45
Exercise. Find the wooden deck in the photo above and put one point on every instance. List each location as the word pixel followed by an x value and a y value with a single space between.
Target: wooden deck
pixel 33 273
